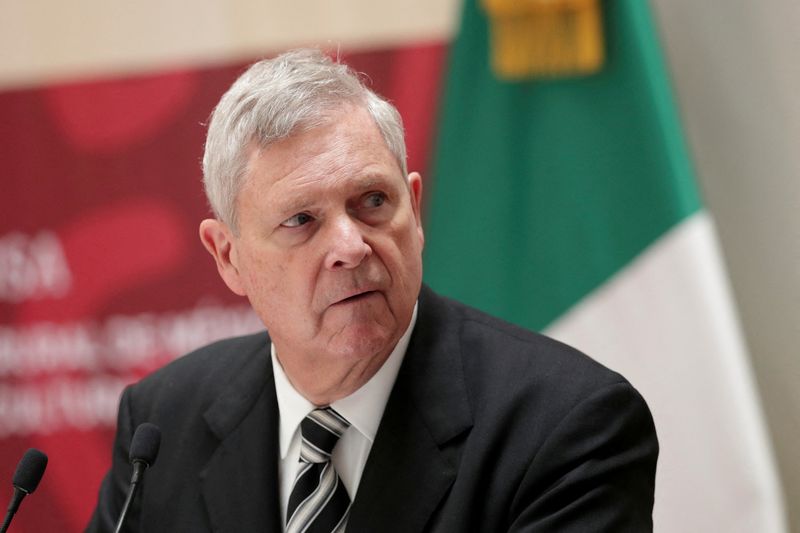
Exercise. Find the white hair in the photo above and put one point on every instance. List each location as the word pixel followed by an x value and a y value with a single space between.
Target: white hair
pixel 274 99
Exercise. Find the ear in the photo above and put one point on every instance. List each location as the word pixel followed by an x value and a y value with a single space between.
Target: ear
pixel 218 239
pixel 415 188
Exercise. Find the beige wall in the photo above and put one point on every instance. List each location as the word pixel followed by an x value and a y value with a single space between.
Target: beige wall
pixel 736 69
pixel 45 40
pixel 734 64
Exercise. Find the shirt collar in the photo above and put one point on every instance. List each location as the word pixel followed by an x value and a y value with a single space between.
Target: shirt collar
pixel 363 408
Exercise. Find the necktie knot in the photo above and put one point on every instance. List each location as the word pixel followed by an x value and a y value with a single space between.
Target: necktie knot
pixel 320 431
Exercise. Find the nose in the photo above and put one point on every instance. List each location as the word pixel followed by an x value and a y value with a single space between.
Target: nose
pixel 346 245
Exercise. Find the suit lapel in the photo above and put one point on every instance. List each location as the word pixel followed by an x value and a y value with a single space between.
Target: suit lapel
pixel 415 456
pixel 240 482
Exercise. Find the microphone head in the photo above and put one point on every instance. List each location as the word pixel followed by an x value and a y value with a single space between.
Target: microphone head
pixel 145 443
pixel 30 470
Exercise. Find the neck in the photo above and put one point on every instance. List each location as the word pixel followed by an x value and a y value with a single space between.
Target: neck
pixel 322 385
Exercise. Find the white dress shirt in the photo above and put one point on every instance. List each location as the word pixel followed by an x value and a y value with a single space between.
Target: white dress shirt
pixel 363 409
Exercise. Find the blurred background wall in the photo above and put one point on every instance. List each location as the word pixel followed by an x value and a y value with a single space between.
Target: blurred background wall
pixel 736 72
pixel 734 68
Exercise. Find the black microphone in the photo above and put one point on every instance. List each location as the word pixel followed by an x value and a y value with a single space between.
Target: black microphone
pixel 144 449
pixel 26 478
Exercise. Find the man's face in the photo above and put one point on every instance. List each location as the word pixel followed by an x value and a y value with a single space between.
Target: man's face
pixel 329 245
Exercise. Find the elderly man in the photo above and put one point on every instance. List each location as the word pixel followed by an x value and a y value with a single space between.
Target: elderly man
pixel 370 403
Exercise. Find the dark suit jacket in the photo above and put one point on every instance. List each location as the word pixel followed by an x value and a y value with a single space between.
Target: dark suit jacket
pixel 489 428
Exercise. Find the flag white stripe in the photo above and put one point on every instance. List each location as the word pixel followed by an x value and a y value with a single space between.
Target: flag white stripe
pixel 667 323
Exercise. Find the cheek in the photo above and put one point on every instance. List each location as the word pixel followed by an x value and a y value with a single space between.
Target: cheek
pixel 270 299
pixel 407 256
pixel 260 274
pixel 277 282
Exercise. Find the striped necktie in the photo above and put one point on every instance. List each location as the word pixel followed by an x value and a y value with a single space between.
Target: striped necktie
pixel 318 502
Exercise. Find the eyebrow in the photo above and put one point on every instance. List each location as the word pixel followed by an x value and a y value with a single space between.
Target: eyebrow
pixel 292 206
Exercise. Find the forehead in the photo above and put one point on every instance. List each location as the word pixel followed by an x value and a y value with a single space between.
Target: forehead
pixel 348 150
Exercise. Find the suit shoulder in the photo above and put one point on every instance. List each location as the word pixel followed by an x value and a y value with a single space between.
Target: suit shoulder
pixel 499 354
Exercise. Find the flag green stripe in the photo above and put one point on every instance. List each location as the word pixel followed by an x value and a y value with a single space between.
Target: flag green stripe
pixel 543 189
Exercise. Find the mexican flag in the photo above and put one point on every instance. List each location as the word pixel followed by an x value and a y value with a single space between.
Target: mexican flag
pixel 570 205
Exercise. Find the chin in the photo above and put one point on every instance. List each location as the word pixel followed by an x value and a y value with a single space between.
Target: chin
pixel 362 343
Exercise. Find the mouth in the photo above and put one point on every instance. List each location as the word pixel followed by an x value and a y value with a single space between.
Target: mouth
pixel 356 297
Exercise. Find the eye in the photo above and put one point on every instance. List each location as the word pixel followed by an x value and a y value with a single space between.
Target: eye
pixel 375 199
pixel 297 220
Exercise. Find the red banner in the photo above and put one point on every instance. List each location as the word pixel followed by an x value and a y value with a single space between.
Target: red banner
pixel 102 276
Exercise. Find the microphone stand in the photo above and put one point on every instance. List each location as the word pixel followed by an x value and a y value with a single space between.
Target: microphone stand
pixel 138 470
pixel 13 505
